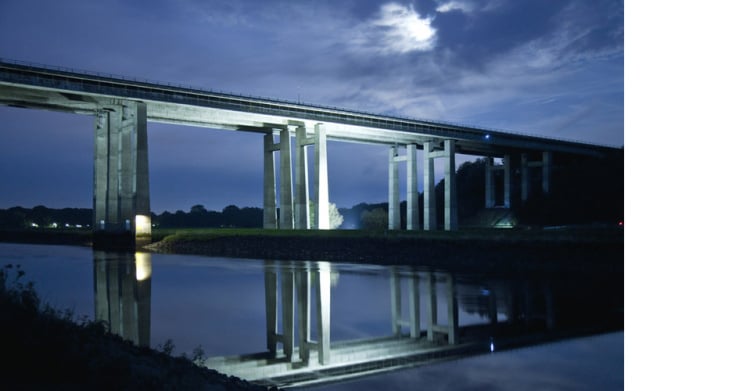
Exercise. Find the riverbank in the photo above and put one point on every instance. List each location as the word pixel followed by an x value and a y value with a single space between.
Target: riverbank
pixel 498 250
pixel 559 249
pixel 45 349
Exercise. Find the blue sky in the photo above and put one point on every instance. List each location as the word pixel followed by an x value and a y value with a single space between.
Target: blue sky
pixel 547 68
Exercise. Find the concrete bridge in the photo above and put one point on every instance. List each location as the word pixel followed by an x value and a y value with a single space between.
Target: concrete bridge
pixel 123 106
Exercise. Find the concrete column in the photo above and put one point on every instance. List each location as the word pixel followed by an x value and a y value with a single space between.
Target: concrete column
pixel 451 223
pixel 394 212
pixel 322 200
pixel 412 193
pixel 414 329
pixel 270 305
pixel 323 298
pixel 430 218
pixel 524 177
pixel 286 216
pixel 507 181
pixel 490 188
pixel 396 302
pixel 546 169
pixel 302 200
pixel 270 188
pixel 121 179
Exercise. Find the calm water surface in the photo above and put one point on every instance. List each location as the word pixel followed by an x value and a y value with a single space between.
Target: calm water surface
pixel 220 305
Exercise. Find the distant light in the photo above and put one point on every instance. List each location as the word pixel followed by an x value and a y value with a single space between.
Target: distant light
pixel 34 225
pixel 493 348
pixel 620 223
pixel 54 225
pixel 487 136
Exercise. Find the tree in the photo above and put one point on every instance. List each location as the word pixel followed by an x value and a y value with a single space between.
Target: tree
pixel 335 217
pixel 376 219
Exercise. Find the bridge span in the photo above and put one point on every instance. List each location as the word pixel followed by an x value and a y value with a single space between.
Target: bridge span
pixel 123 106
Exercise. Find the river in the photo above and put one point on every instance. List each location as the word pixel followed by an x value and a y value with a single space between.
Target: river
pixel 508 332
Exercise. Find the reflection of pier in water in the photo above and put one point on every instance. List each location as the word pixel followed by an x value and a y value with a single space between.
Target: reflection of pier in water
pixel 518 314
pixel 122 294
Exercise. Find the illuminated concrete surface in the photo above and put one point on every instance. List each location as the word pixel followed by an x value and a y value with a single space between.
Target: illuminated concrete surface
pixel 123 106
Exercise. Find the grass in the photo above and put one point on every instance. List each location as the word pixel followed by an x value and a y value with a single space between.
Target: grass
pixel 492 234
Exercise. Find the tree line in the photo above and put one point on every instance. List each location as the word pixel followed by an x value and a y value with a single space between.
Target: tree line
pixel 583 191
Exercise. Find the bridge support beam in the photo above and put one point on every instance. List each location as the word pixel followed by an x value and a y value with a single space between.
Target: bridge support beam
pixel 490 187
pixel 430 218
pixel 451 220
pixel 546 166
pixel 286 215
pixel 285 218
pixel 507 180
pixel 270 186
pixel 302 198
pixel 395 219
pixel 412 193
pixel 322 198
pixel 121 178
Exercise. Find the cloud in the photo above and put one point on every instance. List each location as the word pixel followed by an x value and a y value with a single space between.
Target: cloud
pixel 396 30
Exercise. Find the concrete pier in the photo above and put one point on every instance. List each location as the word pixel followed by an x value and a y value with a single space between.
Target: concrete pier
pixel 451 215
pixel 322 198
pixel 507 180
pixel 430 218
pixel 286 207
pixel 270 184
pixel 394 208
pixel 412 193
pixel 302 198
pixel 121 178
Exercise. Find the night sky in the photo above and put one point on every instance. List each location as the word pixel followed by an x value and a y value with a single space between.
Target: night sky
pixel 548 68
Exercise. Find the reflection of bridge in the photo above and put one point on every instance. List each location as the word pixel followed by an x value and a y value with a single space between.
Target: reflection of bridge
pixel 303 359
pixel 122 108
pixel 122 284
pixel 298 349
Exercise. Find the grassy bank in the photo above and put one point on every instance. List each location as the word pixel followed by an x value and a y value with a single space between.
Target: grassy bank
pixel 542 250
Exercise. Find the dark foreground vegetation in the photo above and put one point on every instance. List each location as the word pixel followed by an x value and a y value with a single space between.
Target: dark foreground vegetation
pixel 44 349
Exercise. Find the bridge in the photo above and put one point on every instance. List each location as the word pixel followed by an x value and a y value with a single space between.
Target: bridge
pixel 123 106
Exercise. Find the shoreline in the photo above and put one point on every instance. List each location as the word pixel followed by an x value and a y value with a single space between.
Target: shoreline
pixel 565 250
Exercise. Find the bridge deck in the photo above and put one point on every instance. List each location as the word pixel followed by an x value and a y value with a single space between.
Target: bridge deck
pixel 26 85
